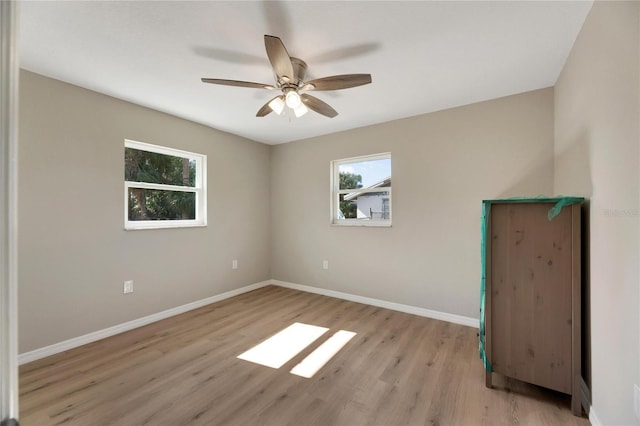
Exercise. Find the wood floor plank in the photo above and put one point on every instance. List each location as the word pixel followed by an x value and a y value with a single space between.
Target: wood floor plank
pixel 399 369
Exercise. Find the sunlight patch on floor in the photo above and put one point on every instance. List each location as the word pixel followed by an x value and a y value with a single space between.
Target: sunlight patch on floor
pixel 323 353
pixel 284 345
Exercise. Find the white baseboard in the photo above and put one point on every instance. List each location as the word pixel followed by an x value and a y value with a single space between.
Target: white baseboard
pixel 593 418
pixel 457 319
pixel 130 325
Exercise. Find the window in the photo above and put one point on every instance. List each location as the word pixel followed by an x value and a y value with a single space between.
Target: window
pixel 163 187
pixel 361 191
pixel 385 208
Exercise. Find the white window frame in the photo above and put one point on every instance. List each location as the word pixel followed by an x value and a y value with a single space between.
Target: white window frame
pixel 200 189
pixel 336 192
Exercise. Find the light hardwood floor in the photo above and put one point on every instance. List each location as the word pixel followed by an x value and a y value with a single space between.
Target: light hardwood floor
pixel 400 369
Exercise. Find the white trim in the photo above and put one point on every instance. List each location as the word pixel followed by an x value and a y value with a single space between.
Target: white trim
pixel 363 222
pixel 443 316
pixel 9 111
pixel 164 224
pixel 362 158
pixel 130 325
pixel 593 418
pixel 159 186
pixel 199 188
pixel 335 191
pixel 173 152
pixel 368 189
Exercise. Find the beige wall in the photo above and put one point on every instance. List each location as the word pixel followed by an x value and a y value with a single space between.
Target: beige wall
pixel 73 252
pixel 444 164
pixel 597 154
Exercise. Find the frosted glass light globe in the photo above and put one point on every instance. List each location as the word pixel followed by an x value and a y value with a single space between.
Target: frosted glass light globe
pixel 293 99
pixel 277 105
pixel 300 110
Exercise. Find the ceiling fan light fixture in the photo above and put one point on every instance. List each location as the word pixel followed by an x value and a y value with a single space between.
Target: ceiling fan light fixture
pixel 277 105
pixel 293 99
pixel 300 110
pixel 289 74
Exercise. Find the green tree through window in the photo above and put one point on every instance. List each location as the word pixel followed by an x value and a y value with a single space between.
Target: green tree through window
pixel 152 167
pixel 361 190
pixel 164 187
pixel 349 181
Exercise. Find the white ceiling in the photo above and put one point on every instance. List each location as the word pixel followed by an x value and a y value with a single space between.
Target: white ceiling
pixel 423 56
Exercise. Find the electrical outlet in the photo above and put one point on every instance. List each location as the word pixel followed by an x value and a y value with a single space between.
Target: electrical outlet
pixel 325 264
pixel 128 287
pixel 234 264
pixel 636 400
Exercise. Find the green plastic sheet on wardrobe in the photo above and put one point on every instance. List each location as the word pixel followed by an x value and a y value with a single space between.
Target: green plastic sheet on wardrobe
pixel 558 204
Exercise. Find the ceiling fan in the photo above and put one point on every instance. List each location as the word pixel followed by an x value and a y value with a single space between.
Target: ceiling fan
pixel 289 73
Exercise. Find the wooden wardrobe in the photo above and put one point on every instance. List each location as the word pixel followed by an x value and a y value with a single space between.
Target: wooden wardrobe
pixel 532 292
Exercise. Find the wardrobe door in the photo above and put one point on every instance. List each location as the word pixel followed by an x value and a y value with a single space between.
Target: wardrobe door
pixel 531 294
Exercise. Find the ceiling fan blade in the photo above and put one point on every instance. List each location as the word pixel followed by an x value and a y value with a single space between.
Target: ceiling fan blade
pixel 318 106
pixel 337 82
pixel 279 58
pixel 266 108
pixel 238 83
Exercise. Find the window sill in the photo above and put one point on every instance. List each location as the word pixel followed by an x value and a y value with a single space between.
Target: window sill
pixel 362 224
pixel 155 225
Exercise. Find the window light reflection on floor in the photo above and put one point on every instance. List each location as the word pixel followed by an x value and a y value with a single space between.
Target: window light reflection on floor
pixel 318 358
pixel 278 349
pixel 284 345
